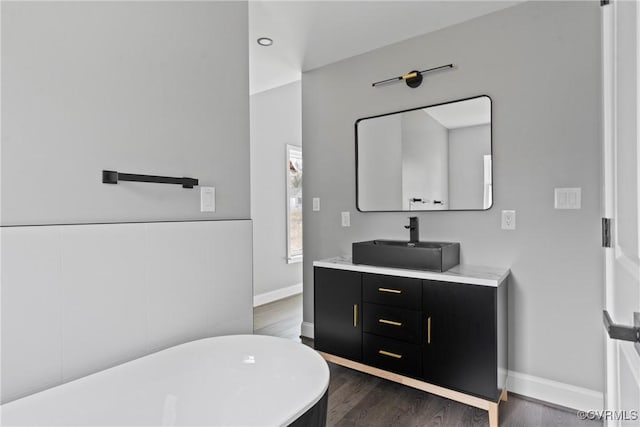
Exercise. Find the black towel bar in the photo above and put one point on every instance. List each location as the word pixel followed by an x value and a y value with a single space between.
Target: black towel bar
pixel 112 177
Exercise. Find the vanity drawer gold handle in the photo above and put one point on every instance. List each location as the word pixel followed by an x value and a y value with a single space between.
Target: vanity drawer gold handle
pixel 429 330
pixel 388 353
pixel 391 291
pixel 355 315
pixel 389 322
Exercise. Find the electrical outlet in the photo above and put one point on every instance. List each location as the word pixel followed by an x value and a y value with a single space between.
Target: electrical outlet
pixel 346 219
pixel 316 204
pixel 508 220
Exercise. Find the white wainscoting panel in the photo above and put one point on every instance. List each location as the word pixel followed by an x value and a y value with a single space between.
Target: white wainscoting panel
pixel 104 297
pixel 31 279
pixel 182 283
pixel 77 299
pixel 198 269
pixel 232 266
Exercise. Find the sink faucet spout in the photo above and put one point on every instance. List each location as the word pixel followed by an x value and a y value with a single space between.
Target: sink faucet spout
pixel 414 229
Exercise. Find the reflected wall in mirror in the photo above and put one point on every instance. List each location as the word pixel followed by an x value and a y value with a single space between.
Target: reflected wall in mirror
pixel 429 158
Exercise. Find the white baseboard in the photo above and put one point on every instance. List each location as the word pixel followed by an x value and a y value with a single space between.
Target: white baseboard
pixel 555 392
pixel 272 296
pixel 307 330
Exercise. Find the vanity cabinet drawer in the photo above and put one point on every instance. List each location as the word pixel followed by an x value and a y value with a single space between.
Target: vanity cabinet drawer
pixel 392 355
pixel 390 290
pixel 392 322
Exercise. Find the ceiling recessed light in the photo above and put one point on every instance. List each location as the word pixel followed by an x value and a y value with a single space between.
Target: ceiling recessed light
pixel 265 41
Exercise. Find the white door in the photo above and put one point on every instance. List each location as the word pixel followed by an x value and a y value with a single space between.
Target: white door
pixel 621 203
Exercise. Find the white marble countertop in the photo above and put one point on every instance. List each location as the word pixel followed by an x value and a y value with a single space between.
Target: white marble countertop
pixel 247 380
pixel 470 274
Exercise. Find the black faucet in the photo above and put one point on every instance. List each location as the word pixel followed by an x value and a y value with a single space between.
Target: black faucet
pixel 414 229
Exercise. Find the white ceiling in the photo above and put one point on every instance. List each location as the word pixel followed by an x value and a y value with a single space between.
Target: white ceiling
pixel 310 34
pixel 472 112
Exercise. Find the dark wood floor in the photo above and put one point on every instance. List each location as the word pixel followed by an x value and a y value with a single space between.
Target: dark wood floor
pixel 357 399
pixel 279 319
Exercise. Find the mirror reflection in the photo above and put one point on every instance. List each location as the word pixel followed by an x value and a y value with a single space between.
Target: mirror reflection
pixel 429 158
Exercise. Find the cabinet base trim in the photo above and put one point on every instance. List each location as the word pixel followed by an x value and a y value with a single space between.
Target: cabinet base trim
pixel 477 402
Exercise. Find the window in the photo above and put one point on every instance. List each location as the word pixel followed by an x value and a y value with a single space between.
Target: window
pixel 294 203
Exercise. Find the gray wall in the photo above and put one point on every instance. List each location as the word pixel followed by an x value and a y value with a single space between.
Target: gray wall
pixel 275 122
pixel 467 148
pixel 540 63
pixel 154 88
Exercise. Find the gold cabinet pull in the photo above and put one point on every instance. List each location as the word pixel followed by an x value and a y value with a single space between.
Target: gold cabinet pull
pixel 388 353
pixel 429 330
pixel 389 322
pixel 391 291
pixel 355 315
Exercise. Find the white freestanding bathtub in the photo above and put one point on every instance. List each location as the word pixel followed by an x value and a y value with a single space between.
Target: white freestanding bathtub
pixel 238 380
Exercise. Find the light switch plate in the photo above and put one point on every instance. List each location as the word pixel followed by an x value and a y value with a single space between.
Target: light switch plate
pixel 346 219
pixel 567 198
pixel 316 204
pixel 508 220
pixel 207 199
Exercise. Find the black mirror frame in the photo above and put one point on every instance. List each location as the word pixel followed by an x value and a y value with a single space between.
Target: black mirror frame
pixel 420 108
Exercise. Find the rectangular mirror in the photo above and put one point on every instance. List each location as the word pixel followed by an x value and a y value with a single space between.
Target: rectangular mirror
pixel 424 159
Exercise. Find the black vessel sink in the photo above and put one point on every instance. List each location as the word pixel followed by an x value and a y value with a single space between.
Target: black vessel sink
pixel 432 256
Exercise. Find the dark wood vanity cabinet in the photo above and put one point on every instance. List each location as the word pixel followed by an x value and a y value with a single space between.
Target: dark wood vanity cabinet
pixel 461 342
pixel 338 312
pixel 449 334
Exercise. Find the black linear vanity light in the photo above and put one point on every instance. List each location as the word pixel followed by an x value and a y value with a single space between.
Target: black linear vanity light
pixel 412 78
